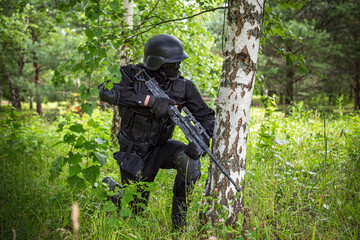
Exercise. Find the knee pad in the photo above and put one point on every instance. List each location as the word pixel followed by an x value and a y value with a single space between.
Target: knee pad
pixel 187 167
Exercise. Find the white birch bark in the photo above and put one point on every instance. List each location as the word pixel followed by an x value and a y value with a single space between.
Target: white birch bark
pixel 233 108
pixel 125 58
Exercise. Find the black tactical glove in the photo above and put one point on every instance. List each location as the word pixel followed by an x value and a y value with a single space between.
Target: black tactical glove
pixel 106 95
pixel 161 106
pixel 192 151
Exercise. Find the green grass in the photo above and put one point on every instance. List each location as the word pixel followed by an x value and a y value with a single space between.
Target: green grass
pixel 300 184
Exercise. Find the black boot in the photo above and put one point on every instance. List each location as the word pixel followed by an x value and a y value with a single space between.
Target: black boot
pixel 116 199
pixel 178 215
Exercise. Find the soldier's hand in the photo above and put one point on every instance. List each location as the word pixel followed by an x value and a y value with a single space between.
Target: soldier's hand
pixel 106 95
pixel 192 151
pixel 161 106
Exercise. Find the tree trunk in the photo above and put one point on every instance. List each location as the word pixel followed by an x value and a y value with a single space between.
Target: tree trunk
pixel 14 93
pixel 37 91
pixel 357 87
pixel 289 87
pixel 31 100
pixel 289 84
pixel 281 101
pixel 125 59
pixel 233 107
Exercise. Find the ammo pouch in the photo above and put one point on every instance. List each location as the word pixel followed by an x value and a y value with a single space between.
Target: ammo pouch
pixel 131 163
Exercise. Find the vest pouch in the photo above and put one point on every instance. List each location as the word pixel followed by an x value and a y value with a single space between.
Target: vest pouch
pixel 139 127
pixel 167 131
pixel 126 116
pixel 131 163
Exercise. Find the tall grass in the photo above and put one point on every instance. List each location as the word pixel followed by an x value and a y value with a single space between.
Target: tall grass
pixel 302 183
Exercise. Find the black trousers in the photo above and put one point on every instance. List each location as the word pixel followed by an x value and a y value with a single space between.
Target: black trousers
pixel 162 157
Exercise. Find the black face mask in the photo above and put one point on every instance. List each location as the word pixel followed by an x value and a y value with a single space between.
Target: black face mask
pixel 171 70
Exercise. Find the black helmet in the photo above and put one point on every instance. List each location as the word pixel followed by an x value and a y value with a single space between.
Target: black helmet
pixel 161 49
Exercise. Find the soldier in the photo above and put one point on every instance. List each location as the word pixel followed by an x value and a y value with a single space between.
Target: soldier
pixel 146 128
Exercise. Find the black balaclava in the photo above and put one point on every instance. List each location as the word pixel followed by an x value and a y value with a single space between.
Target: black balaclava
pixel 170 70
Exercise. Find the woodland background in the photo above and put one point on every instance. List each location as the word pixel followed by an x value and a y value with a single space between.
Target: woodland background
pixel 303 147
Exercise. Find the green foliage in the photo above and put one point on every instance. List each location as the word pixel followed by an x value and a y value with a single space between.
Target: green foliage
pixel 107 35
pixel 88 146
pixel 300 170
pixel 299 175
pixel 305 49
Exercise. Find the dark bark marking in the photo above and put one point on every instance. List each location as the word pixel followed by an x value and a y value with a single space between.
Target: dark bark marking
pixel 226 133
pixel 233 87
pixel 239 125
pixel 251 81
pixel 242 93
pixel 218 133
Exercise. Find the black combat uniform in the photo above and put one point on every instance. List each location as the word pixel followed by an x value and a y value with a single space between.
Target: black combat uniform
pixel 145 137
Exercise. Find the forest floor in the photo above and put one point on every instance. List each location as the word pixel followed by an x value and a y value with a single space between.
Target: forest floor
pixel 302 181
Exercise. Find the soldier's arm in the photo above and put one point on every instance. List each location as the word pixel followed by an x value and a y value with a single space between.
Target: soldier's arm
pixel 199 109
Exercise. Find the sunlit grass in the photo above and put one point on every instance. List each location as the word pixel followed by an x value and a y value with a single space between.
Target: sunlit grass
pixel 299 181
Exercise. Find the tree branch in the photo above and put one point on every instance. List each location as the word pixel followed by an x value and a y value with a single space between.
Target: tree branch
pixel 152 26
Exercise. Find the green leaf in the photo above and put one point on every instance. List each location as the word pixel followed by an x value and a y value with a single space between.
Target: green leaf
pixel 113 222
pixel 75 170
pixel 94 92
pixel 114 69
pixel 85 95
pixel 93 124
pixel 102 53
pixel 89 33
pixel 69 138
pixel 114 5
pixel 109 206
pixel 61 126
pixel 80 141
pixel 77 127
pixel 98 32
pixel 76 181
pixel 99 157
pixel 124 212
pixel 74 158
pixel 87 108
pixel 91 173
pixel 82 87
pixel 77 67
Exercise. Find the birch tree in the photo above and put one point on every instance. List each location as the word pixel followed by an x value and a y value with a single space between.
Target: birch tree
pixel 125 58
pixel 244 19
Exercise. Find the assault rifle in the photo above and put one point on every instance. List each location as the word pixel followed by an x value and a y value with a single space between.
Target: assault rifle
pixel 191 128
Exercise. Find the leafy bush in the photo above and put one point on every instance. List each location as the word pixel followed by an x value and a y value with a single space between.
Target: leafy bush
pixel 301 182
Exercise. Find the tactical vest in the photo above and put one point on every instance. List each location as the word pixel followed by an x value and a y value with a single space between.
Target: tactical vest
pixel 140 129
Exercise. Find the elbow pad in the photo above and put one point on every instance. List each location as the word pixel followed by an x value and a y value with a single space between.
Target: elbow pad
pixel 109 96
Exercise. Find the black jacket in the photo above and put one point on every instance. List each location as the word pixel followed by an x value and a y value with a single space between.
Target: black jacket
pixel 139 124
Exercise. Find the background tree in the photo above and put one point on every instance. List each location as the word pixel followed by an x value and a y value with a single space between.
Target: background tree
pixel 125 59
pixel 341 20
pixel 13 37
pixel 233 107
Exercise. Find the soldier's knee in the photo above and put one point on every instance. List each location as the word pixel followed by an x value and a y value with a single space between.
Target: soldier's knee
pixel 187 167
